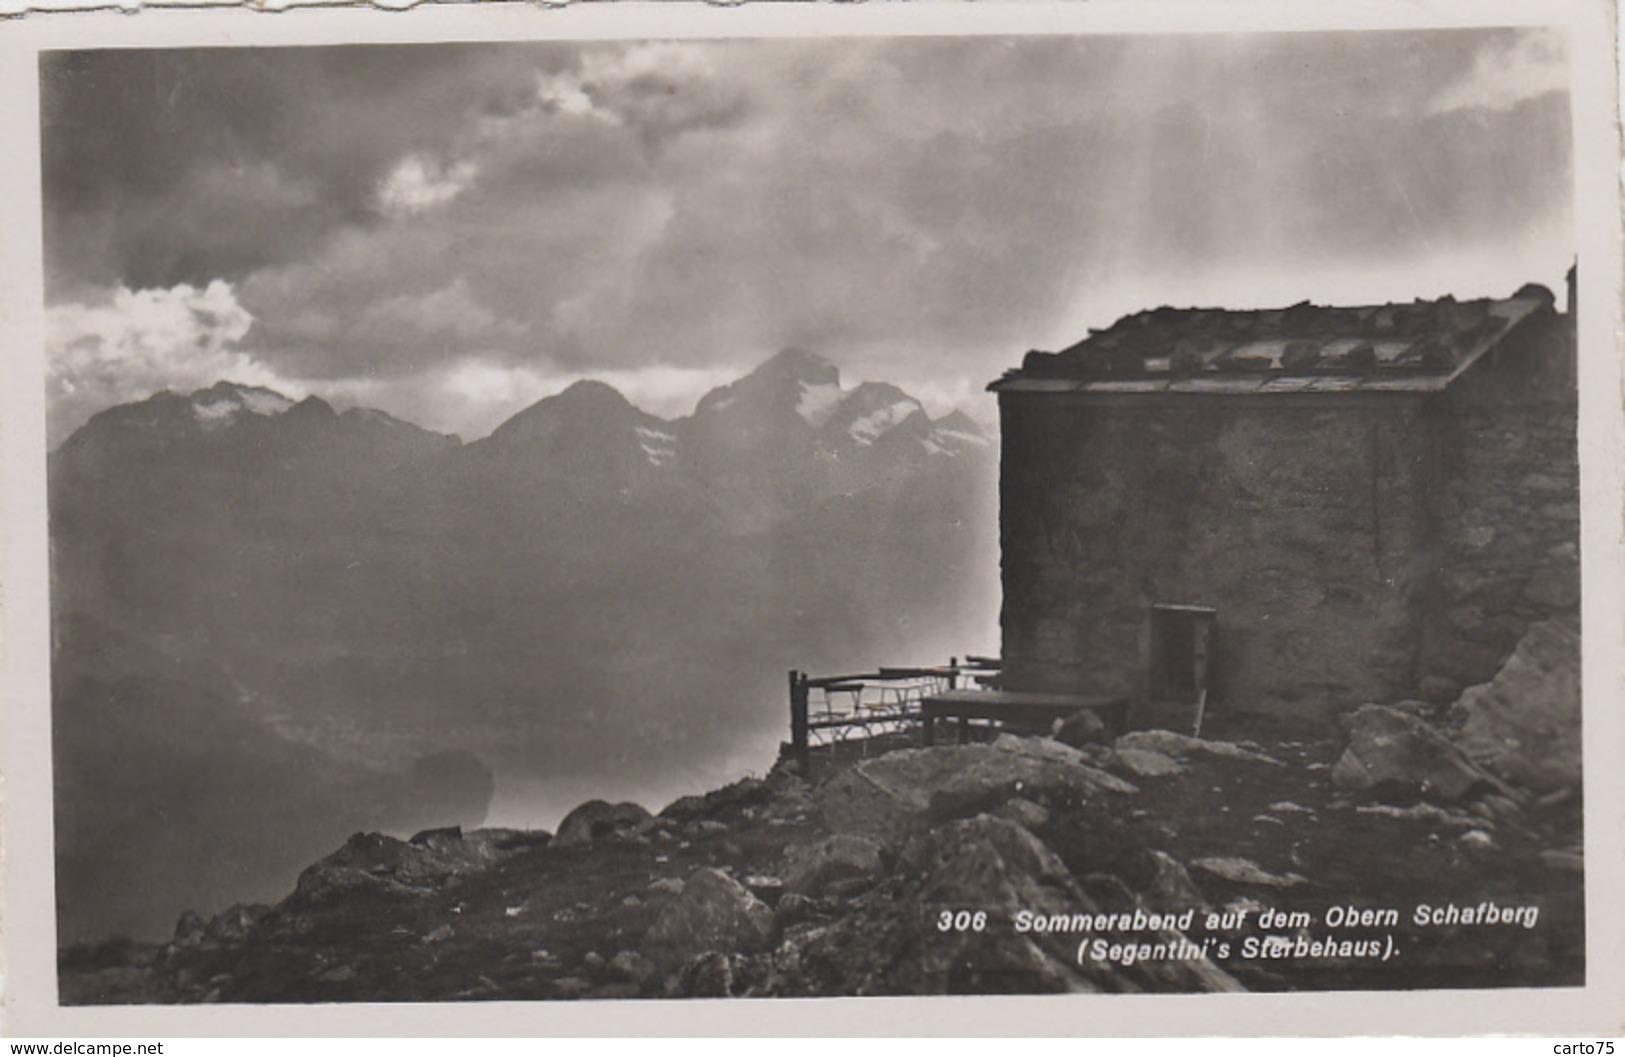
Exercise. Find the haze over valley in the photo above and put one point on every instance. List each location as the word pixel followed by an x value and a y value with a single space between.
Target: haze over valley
pixel 277 624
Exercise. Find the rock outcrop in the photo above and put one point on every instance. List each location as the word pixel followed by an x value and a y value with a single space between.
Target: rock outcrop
pixel 745 793
pixel 1246 872
pixel 1171 887
pixel 1024 812
pixel 235 922
pixel 1393 754
pixel 189 929
pixel 844 860
pixel 600 820
pixel 1524 725
pixel 784 900
pixel 376 863
pixel 993 863
pixel 1183 746
pixel 712 913
pixel 1145 763
pixel 1080 729
pixel 887 797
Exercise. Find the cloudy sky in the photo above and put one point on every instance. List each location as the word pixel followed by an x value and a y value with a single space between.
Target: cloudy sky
pixel 451 232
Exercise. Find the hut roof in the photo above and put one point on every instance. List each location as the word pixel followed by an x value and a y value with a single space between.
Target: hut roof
pixel 1416 347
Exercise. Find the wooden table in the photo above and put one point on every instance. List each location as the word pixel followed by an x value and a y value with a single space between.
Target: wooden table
pixel 1016 706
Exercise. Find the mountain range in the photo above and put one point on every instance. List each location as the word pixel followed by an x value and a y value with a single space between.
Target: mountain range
pixel 276 623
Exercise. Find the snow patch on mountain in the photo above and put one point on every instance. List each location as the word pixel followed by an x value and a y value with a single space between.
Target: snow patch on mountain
pixel 953 435
pixel 216 407
pixel 215 412
pixel 264 402
pixel 975 440
pixel 658 446
pixel 818 401
pixel 878 423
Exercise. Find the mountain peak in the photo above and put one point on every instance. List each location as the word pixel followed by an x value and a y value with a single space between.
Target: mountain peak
pixel 871 411
pixel 959 421
pixel 791 381
pixel 223 401
pixel 587 407
pixel 226 389
pixel 591 391
pixel 312 408
pixel 800 365
pixel 955 434
pixel 586 397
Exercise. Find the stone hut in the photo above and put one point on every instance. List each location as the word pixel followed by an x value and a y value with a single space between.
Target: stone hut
pixel 1328 505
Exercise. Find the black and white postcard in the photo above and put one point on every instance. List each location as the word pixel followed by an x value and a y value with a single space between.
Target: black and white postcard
pixel 526 520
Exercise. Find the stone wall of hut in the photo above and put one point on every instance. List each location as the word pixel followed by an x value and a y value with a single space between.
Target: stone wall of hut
pixel 1357 547
pixel 1300 521
pixel 1507 505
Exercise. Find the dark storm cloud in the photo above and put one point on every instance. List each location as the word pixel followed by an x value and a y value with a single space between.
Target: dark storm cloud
pixel 163 167
pixel 479 224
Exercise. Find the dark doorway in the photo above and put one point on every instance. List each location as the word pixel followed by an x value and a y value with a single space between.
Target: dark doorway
pixel 1182 647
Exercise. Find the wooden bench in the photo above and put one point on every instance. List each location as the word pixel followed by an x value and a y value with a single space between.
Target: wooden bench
pixel 1013 706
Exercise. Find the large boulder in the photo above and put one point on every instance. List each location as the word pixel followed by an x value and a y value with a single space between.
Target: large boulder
pixel 1183 746
pixel 368 862
pixel 988 861
pixel 1145 763
pixel 1024 812
pixel 745 793
pixel 1081 728
pixel 1393 754
pixel 189 929
pixel 1524 725
pixel 712 913
pixel 845 858
pixel 236 922
pixel 1246 872
pixel 462 852
pixel 707 975
pixel 992 864
pixel 600 820
pixel 1171 887
pixel 889 796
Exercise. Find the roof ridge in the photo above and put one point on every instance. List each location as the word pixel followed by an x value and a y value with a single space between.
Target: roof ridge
pixel 1418 341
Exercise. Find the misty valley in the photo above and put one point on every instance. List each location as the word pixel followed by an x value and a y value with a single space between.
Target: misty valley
pixel 277 625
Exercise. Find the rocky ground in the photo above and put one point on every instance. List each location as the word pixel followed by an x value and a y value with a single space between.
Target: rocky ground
pixel 836 881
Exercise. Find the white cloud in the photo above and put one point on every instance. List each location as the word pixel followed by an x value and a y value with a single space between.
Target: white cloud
pixel 566 94
pixel 486 384
pixel 919 211
pixel 944 394
pixel 418 184
pixel 652 87
pixel 1505 74
pixel 664 390
pixel 141 341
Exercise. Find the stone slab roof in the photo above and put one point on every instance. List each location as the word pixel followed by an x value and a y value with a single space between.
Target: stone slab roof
pixel 1418 347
